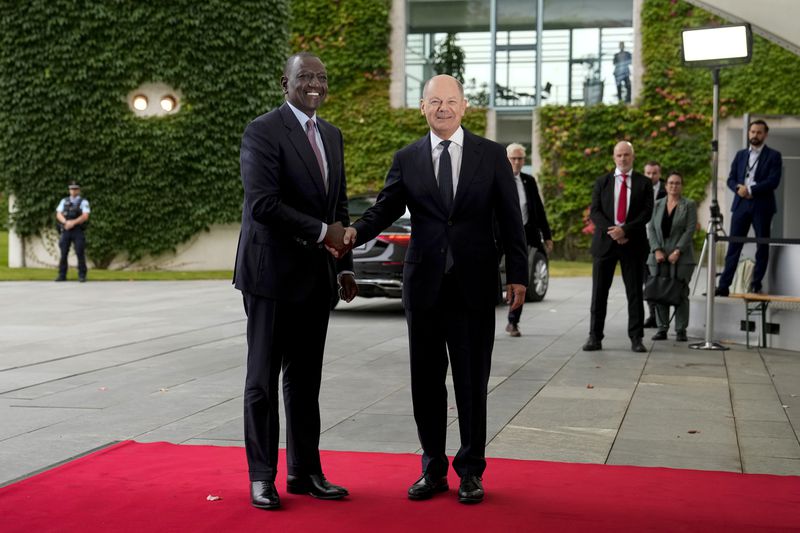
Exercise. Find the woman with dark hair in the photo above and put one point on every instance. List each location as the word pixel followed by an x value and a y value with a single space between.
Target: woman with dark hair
pixel 671 228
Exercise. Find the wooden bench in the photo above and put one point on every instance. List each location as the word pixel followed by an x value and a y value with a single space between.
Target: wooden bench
pixel 756 303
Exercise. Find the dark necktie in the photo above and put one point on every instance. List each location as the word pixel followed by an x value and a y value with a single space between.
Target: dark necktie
pixel 312 138
pixel 446 176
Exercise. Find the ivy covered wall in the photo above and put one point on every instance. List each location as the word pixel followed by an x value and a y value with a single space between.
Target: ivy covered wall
pixel 671 122
pixel 352 39
pixel 65 72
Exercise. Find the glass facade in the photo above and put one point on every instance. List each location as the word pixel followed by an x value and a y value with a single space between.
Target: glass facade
pixel 498 38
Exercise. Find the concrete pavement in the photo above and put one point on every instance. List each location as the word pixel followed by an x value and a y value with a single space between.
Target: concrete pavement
pixel 82 365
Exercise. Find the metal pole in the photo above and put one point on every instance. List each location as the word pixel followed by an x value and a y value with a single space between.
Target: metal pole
pixel 492 52
pixel 716 221
pixel 539 32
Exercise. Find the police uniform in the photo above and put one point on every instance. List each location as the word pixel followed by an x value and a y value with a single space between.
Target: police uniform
pixel 72 208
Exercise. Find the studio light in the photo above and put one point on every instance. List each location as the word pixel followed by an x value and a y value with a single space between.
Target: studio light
pixel 718 46
pixel 714 48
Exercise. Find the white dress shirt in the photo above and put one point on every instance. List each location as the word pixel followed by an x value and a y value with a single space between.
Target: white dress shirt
pixel 618 183
pixel 752 164
pixel 523 198
pixel 456 150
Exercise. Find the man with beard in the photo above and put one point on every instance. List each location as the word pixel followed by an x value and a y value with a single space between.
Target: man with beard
pixel 755 174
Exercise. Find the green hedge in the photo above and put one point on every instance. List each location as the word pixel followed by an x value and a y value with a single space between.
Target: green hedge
pixel 671 123
pixel 65 72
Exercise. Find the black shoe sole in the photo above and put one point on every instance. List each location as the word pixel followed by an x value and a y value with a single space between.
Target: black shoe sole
pixel 265 507
pixel 470 500
pixel 428 495
pixel 304 491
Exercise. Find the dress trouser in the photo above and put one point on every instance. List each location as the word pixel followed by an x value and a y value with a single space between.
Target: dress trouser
pixel 741 220
pixel 603 275
pixel 683 273
pixel 288 337
pixel 451 326
pixel 76 237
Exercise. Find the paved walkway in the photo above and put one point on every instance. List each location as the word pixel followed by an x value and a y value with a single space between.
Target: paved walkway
pixel 82 365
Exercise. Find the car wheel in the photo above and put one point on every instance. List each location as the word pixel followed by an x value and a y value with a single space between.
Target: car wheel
pixel 539 277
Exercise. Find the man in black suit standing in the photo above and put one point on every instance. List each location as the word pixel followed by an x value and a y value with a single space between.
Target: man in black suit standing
pixel 453 182
pixel 534 218
pixel 295 205
pixel 622 204
pixel 755 174
pixel 652 169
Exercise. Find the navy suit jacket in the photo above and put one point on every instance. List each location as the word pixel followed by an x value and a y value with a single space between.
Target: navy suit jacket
pixel 603 213
pixel 284 205
pixel 767 179
pixel 538 228
pixel 485 188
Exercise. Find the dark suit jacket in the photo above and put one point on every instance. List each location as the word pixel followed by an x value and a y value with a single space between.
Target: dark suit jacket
pixel 603 213
pixel 485 186
pixel 538 228
pixel 284 205
pixel 767 179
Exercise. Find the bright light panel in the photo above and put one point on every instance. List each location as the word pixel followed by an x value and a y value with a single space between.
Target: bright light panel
pixel 167 103
pixel 723 45
pixel 140 102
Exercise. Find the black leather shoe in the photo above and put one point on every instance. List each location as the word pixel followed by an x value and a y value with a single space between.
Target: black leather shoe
pixel 315 485
pixel 754 289
pixel 59 278
pixel 592 345
pixel 82 280
pixel 637 346
pixel 650 322
pixel 264 495
pixel 660 336
pixel 471 489
pixel 721 291
pixel 681 336
pixel 426 486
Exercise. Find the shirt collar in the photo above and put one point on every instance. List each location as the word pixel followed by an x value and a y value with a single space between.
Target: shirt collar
pixel 457 138
pixel 618 173
pixel 302 118
pixel 755 150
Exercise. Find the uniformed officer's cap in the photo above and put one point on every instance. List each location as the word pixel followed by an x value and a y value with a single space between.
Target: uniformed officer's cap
pixel 74 185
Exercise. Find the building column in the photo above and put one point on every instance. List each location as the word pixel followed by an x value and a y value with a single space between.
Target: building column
pixel 638 61
pixel 16 245
pixel 397 44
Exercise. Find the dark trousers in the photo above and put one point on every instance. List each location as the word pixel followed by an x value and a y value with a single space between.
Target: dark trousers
pixel 467 334
pixel 74 237
pixel 514 316
pixel 603 275
pixel 741 221
pixel 288 337
pixel 651 307
pixel 626 83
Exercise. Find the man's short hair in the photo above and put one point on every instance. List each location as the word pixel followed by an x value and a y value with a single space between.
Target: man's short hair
pixel 288 65
pixel 761 122
pixel 653 163
pixel 515 146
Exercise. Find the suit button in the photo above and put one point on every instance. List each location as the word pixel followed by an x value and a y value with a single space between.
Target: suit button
pixel 449 222
pixel 441 250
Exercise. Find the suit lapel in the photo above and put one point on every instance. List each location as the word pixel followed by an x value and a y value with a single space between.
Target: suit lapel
pixel 297 136
pixel 470 156
pixel 332 156
pixel 424 162
pixel 608 198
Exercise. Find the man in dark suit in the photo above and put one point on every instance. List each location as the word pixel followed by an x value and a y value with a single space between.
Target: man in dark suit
pixel 622 204
pixel 295 205
pixel 534 218
pixel 755 174
pixel 652 169
pixel 453 182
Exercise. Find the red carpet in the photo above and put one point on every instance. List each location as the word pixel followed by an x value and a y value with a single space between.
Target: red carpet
pixel 164 487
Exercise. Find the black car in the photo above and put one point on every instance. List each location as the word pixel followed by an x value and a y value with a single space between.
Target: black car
pixel 378 264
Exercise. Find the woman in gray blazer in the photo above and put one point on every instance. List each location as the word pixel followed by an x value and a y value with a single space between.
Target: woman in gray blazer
pixel 671 228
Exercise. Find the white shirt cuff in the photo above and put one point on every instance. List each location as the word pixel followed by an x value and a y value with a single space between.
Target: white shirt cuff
pixel 322 233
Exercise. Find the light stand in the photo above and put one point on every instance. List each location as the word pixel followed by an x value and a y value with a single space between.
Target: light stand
pixel 714 226
pixel 714 48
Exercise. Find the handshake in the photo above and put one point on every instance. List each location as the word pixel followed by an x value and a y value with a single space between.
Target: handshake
pixel 339 240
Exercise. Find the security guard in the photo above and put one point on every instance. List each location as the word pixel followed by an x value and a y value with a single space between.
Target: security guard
pixel 72 213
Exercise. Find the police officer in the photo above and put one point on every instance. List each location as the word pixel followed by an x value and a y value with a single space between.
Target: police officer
pixel 72 213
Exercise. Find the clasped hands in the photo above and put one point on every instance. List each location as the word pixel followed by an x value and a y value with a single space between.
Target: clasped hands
pixel 618 234
pixel 742 191
pixel 672 258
